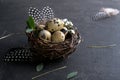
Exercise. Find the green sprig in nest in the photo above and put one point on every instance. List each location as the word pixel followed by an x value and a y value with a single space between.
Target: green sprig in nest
pixel 50 38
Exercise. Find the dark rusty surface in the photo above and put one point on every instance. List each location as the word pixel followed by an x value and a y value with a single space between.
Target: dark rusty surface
pixel 91 63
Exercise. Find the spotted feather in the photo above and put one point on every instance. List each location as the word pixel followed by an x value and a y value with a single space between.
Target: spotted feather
pixel 40 16
pixel 36 14
pixel 18 55
pixel 48 13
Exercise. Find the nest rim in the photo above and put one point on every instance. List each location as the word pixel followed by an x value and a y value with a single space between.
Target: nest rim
pixel 48 50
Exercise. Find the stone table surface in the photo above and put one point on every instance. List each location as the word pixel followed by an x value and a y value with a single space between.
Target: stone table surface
pixel 90 63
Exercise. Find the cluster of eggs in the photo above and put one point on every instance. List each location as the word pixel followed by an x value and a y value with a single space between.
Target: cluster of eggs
pixel 55 30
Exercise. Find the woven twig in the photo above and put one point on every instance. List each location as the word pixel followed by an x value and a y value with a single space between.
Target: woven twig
pixel 50 51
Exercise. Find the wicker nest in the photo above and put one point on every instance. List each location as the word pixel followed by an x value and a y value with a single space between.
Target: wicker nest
pixel 47 51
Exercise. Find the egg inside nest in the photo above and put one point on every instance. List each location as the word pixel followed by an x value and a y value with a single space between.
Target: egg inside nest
pixel 58 36
pixel 45 34
pixel 54 25
pixel 54 30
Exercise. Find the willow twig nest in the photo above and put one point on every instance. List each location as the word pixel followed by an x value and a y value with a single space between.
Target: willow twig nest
pixel 50 38
pixel 43 50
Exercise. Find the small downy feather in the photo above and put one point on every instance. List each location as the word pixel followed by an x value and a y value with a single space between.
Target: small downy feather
pixel 105 13
pixel 110 11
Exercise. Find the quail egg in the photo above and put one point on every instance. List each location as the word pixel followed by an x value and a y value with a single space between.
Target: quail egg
pixel 72 31
pixel 65 20
pixel 58 36
pixel 40 27
pixel 44 34
pixel 64 30
pixel 68 24
pixel 54 25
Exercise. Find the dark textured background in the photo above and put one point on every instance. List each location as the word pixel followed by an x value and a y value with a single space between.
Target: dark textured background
pixel 91 63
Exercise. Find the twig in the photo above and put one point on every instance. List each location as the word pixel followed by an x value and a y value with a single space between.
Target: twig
pixel 108 46
pixel 11 34
pixel 3 33
pixel 49 72
pixel 6 36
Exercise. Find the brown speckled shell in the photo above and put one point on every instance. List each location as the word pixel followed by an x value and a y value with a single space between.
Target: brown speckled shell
pixel 47 51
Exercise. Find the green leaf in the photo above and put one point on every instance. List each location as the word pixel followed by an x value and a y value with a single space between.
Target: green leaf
pixel 30 22
pixel 39 67
pixel 29 30
pixel 71 75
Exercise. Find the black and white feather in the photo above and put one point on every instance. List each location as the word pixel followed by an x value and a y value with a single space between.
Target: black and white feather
pixel 48 13
pixel 18 55
pixel 40 16
pixel 105 13
pixel 36 14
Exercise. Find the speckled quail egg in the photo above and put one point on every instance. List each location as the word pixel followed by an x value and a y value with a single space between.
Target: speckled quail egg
pixel 72 31
pixel 45 34
pixel 58 36
pixel 65 20
pixel 54 25
pixel 64 30
pixel 40 27
pixel 68 24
